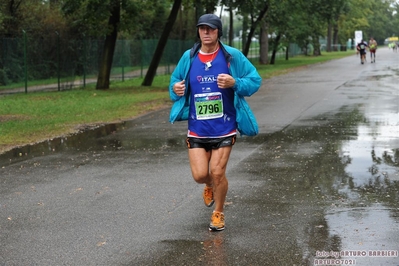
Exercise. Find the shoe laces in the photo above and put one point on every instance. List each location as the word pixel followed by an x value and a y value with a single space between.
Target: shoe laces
pixel 208 192
pixel 218 217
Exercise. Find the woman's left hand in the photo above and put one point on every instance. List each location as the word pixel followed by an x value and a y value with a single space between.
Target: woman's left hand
pixel 225 81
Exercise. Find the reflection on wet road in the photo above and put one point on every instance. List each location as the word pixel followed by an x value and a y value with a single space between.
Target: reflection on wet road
pixel 337 175
pixel 338 179
pixel 322 189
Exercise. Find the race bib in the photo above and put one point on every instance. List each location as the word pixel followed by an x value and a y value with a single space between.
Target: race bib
pixel 208 105
pixel 362 46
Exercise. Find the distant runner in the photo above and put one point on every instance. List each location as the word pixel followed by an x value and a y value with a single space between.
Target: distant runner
pixel 361 48
pixel 373 49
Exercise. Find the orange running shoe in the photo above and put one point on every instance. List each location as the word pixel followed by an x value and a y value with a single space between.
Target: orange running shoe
pixel 208 196
pixel 217 221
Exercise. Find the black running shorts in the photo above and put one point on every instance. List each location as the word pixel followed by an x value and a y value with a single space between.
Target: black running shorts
pixel 210 143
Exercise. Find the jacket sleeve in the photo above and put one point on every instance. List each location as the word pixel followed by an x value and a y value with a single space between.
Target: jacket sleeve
pixel 245 74
pixel 179 74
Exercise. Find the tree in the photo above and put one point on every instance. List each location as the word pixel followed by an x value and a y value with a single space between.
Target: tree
pixel 156 58
pixel 279 19
pixel 275 48
pixel 381 20
pixel 10 17
pixel 337 9
pixel 108 18
pixel 354 20
pixel 109 46
pixel 185 22
pixel 324 11
pixel 264 43
pixel 255 11
pixel 209 6
pixel 111 37
pixel 230 7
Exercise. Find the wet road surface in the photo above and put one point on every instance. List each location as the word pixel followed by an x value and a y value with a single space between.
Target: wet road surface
pixel 318 186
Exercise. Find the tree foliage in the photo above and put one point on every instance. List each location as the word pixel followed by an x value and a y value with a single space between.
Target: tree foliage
pixel 288 21
pixel 146 19
pixel 141 19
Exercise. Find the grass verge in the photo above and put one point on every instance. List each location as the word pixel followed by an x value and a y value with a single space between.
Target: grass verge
pixel 34 117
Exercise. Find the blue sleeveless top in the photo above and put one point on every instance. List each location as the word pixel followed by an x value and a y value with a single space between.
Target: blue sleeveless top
pixel 212 113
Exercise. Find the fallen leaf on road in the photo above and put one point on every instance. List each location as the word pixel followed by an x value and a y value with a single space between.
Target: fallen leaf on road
pixel 100 244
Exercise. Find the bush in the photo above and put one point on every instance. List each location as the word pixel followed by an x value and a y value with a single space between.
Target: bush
pixel 3 77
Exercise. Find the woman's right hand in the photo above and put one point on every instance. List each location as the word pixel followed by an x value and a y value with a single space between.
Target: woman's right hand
pixel 179 88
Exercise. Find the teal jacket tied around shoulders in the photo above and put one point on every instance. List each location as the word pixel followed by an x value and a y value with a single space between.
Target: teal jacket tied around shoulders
pixel 247 82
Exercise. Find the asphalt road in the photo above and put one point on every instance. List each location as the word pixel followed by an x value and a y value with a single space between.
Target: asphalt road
pixel 319 185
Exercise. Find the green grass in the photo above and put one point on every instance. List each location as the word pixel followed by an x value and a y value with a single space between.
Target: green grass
pixel 29 118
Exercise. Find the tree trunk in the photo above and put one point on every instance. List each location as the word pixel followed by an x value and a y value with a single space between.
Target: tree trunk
pixel 264 44
pixel 329 37
pixel 287 51
pixel 305 48
pixel 244 31
pixel 231 28
pixel 254 24
pixel 335 35
pixel 316 46
pixel 109 47
pixel 181 37
pixel 275 46
pixel 156 58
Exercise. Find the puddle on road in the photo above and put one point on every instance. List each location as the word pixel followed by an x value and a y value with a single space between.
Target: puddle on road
pixel 112 137
pixel 85 140
pixel 366 231
pixel 335 183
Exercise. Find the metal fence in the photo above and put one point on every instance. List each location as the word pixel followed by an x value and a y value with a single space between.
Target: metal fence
pixel 67 63
pixel 62 63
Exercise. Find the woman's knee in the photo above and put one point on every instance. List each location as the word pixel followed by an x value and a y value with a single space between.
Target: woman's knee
pixel 218 178
pixel 201 178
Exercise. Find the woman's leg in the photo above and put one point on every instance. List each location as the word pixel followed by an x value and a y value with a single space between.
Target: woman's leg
pixel 218 165
pixel 199 163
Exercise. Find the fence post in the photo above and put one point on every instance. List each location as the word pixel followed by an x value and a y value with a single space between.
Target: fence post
pixel 122 59
pixel 25 62
pixel 84 60
pixel 141 57
pixel 168 58
pixel 58 59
